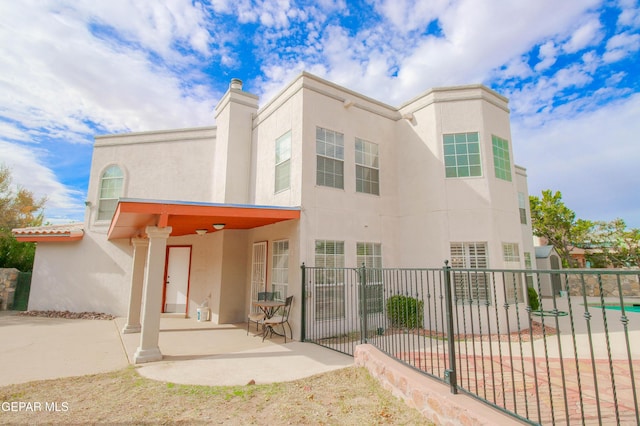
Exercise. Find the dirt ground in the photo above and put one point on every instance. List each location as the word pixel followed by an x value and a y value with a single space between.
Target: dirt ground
pixel 344 397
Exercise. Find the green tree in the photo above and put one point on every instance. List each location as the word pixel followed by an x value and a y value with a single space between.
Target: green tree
pixel 552 220
pixel 613 244
pixel 18 209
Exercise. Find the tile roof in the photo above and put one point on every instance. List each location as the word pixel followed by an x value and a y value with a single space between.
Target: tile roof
pixel 65 232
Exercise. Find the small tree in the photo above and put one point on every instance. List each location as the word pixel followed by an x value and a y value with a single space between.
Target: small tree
pixel 555 222
pixel 617 246
pixel 18 209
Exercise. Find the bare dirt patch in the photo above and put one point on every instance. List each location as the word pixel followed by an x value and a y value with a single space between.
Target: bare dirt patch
pixel 67 315
pixel 346 396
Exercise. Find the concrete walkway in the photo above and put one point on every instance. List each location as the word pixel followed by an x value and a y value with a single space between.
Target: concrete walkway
pixel 34 348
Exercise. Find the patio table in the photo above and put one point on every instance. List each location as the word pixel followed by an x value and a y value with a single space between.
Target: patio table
pixel 269 307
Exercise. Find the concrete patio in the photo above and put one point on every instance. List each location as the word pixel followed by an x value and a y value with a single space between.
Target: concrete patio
pixel 194 352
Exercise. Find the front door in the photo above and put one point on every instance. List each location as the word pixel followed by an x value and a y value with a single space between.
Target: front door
pixel 176 290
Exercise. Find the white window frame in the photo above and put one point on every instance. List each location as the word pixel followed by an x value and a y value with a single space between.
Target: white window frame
pixel 280 268
pixel 329 152
pixel 461 155
pixel 330 280
pixel 501 158
pixel 522 206
pixel 470 287
pixel 110 192
pixel 283 163
pixel 511 252
pixel 370 255
pixel 367 167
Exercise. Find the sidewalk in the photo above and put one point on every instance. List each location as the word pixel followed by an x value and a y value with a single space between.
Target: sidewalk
pixel 34 348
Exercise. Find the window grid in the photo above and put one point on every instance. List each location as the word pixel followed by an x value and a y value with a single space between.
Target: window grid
pixel 370 255
pixel 528 265
pixel 110 192
pixel 462 155
pixel 283 162
pixel 367 167
pixel 470 287
pixel 501 161
pixel 330 289
pixel 510 252
pixel 330 158
pixel 280 269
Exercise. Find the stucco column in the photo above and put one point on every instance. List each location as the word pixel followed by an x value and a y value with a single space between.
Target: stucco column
pixel 153 279
pixel 140 246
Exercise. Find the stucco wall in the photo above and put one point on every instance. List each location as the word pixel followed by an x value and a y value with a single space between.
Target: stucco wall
pixel 171 165
pixel 91 275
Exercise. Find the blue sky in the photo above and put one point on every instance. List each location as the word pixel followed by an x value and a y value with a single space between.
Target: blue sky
pixel 73 69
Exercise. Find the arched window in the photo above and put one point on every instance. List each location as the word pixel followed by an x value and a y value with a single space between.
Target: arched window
pixel 110 192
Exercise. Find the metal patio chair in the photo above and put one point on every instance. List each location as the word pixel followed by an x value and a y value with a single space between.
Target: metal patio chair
pixel 258 317
pixel 270 323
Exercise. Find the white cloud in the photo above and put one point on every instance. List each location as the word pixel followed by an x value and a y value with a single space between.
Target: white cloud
pixel 593 165
pixel 59 81
pixel 630 14
pixel 410 15
pixel 620 46
pixel 548 56
pixel 29 171
pixel 588 34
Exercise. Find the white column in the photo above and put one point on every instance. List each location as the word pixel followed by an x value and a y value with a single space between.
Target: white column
pixel 140 246
pixel 153 279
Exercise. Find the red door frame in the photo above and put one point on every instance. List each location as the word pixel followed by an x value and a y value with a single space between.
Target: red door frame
pixel 166 270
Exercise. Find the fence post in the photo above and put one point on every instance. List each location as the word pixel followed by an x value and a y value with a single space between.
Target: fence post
pixel 450 373
pixel 363 304
pixel 303 306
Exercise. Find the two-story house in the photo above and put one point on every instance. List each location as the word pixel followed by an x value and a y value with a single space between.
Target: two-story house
pixel 319 175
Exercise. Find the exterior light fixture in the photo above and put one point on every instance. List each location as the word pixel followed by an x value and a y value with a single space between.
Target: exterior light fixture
pixel 218 226
pixel 201 231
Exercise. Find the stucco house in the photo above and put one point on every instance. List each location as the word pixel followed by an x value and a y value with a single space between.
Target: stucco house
pixel 319 174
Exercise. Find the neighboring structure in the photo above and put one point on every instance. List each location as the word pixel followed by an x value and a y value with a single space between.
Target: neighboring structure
pixel 547 258
pixel 320 175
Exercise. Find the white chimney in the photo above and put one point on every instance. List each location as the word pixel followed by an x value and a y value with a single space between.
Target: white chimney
pixel 236 83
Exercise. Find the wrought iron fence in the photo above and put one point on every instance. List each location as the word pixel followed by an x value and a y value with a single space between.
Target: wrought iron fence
pixel 562 354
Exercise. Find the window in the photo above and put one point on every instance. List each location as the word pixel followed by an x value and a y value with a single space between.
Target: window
pixel 501 161
pixel 370 255
pixel 367 168
pixel 330 158
pixel 528 265
pixel 110 192
pixel 329 281
pixel 280 269
pixel 510 252
pixel 462 155
pixel 522 200
pixel 512 281
pixel 283 162
pixel 470 287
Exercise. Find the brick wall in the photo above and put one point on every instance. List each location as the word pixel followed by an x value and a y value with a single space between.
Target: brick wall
pixel 432 398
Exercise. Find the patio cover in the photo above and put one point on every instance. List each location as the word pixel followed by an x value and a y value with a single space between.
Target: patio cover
pixel 132 216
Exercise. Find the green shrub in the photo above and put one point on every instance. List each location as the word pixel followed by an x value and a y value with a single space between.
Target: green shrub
pixel 533 299
pixel 405 311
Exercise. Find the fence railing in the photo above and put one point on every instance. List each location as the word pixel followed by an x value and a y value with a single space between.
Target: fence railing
pixel 562 355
